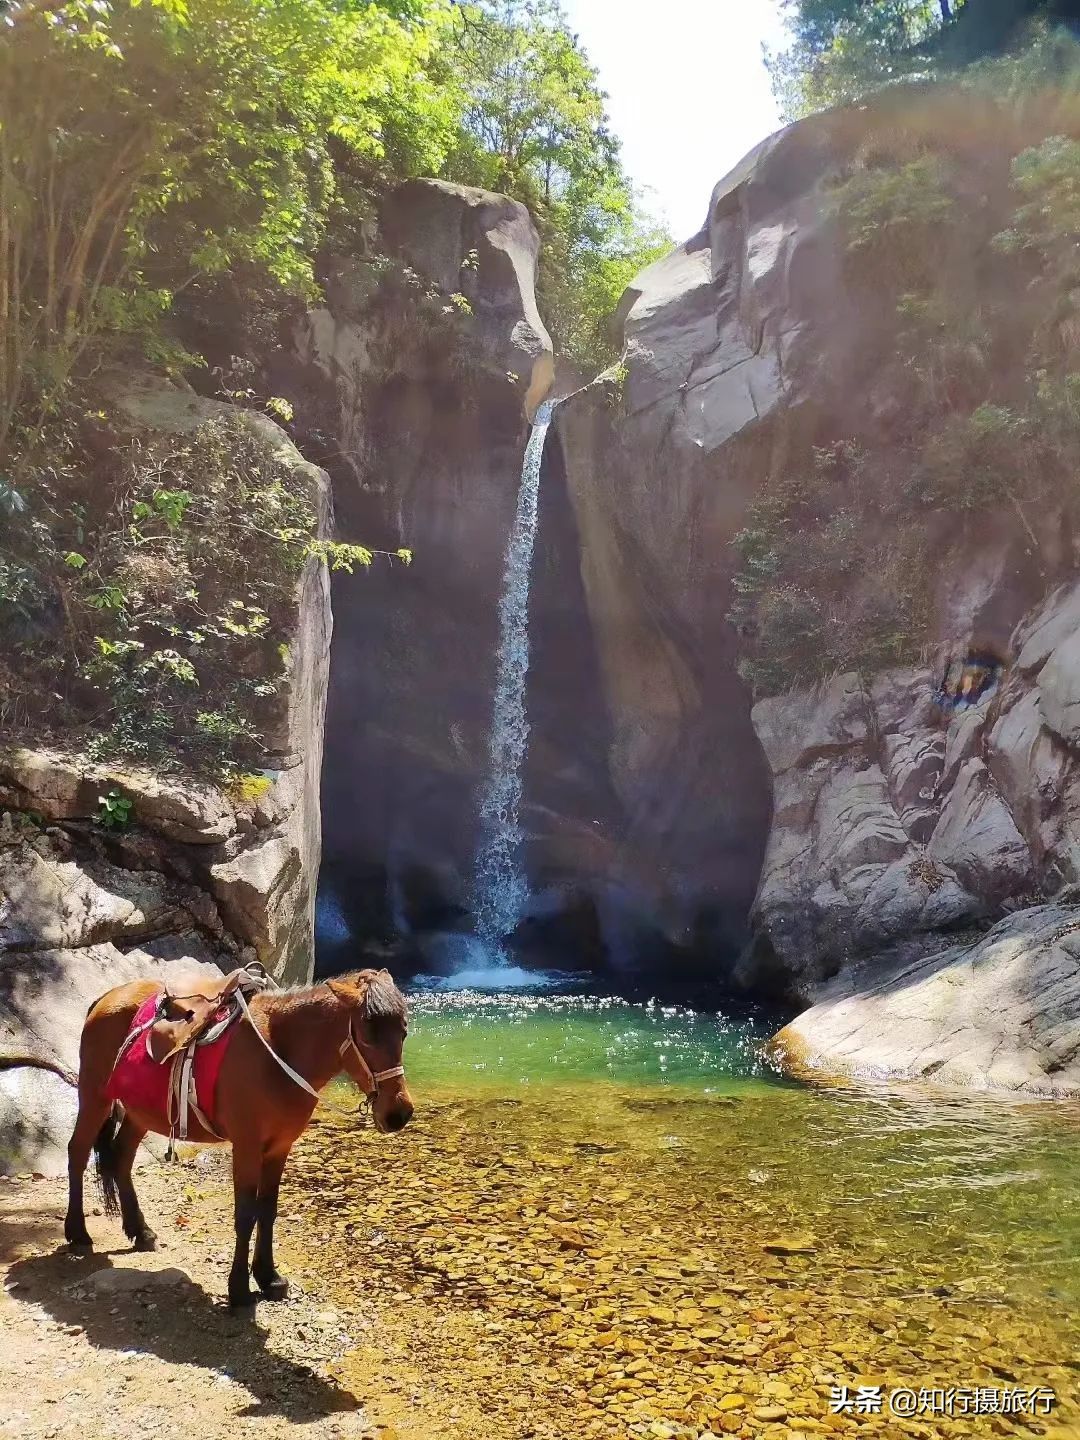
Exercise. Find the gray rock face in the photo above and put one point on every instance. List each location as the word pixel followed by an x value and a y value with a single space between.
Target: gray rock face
pixel 418 398
pixel 1001 1013
pixel 483 246
pixel 896 819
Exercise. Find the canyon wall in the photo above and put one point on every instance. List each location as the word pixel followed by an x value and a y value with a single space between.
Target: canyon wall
pixel 915 804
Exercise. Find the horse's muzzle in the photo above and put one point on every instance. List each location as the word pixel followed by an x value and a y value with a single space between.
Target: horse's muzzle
pixel 395 1118
pixel 399 1117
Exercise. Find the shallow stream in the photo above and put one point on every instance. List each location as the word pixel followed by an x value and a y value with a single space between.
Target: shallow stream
pixel 612 1219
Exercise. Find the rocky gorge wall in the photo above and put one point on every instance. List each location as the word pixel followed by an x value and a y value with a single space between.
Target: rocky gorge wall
pixel 847 845
pixel 875 824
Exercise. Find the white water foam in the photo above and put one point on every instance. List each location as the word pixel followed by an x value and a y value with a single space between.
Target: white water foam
pixel 465 962
pixel 500 888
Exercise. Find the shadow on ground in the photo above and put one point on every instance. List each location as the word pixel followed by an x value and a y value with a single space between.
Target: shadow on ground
pixel 178 1322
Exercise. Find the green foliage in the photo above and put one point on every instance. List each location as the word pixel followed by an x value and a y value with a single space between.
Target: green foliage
pixel 977 343
pixel 147 147
pixel 893 217
pixel 1047 176
pixel 150 150
pixel 168 630
pixel 839 51
pixel 534 125
pixel 823 584
pixel 114 811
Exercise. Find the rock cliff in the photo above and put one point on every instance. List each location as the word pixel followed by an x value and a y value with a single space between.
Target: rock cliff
pixel 886 810
pixel 413 384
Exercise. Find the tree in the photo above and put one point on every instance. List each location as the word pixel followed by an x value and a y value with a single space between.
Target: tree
pixel 841 49
pixel 143 146
pixel 534 124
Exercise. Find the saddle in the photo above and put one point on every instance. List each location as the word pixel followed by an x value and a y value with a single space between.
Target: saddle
pixel 182 1020
pixel 181 1023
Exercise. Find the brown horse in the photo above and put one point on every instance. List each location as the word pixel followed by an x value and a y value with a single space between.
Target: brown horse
pixel 356 1023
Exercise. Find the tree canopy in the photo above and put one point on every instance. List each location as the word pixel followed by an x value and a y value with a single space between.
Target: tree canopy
pixel 145 148
pixel 534 124
pixel 841 49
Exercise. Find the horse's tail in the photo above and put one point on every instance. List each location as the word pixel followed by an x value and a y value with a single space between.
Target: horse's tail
pixel 38 1062
pixel 105 1162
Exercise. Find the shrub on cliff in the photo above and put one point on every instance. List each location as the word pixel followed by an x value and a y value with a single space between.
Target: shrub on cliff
pixel 150 600
pixel 963 260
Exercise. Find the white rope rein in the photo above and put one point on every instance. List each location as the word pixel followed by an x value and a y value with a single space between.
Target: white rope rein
pixel 292 1074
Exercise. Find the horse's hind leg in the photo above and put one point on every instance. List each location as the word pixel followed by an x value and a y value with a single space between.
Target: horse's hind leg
pixel 93 1114
pixel 127 1142
pixel 272 1285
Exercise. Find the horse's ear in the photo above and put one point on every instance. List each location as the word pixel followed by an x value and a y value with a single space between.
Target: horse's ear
pixel 348 992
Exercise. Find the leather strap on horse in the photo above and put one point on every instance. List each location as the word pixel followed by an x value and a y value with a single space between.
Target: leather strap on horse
pixel 373 1077
pixel 292 1074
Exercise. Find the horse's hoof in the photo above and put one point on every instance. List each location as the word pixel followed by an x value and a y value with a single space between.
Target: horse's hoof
pixel 83 1245
pixel 145 1240
pixel 78 1238
pixel 240 1299
pixel 276 1288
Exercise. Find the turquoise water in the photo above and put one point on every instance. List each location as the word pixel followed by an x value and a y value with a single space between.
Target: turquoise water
pixel 617 1214
pixel 511 1041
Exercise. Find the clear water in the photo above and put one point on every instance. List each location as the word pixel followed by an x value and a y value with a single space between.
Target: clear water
pixel 611 1219
pixel 510 1041
pixel 500 889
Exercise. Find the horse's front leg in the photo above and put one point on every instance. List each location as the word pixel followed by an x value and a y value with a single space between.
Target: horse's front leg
pixel 272 1285
pixel 247 1164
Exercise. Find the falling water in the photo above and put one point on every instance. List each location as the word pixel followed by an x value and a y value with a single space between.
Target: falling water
pixel 500 888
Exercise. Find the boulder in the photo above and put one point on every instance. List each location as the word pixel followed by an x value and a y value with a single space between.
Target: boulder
pixel 59 786
pixel 1059 690
pixel 1046 627
pixel 976 837
pixel 484 246
pixel 796 728
pixel 37 1115
pixel 47 902
pixel 999 1013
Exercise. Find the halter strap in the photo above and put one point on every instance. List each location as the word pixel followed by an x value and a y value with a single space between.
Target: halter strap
pixel 373 1077
pixel 292 1074
pixel 349 1043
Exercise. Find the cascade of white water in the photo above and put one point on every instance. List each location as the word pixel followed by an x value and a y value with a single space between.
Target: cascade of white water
pixel 499 887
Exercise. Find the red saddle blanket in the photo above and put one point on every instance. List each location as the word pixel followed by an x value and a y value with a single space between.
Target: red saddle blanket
pixel 140 1083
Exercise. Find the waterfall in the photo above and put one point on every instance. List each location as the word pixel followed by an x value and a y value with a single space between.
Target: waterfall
pixel 500 889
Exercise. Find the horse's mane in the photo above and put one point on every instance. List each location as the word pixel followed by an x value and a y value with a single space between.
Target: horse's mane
pixel 382 999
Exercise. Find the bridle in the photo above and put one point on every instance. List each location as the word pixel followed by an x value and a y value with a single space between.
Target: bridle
pixel 367 1079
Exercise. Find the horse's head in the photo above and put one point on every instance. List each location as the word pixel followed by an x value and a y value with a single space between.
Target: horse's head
pixel 377 1023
